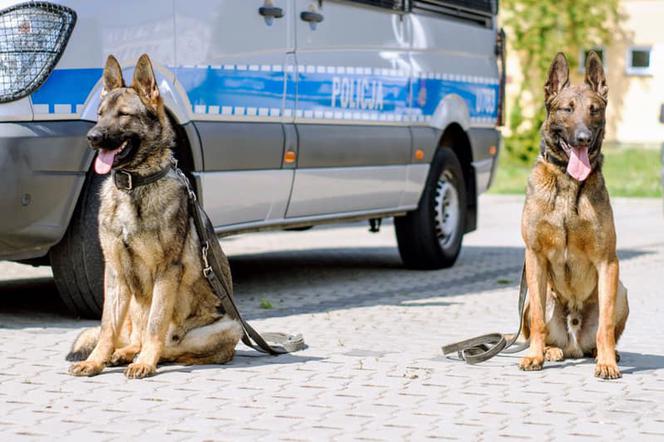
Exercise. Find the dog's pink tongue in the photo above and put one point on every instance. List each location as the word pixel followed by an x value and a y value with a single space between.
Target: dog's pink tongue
pixel 579 164
pixel 104 161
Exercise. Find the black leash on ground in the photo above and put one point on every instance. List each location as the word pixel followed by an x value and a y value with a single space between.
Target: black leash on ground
pixel 215 264
pixel 482 348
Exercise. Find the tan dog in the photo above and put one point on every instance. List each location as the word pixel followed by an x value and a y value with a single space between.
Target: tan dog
pixel 157 304
pixel 577 305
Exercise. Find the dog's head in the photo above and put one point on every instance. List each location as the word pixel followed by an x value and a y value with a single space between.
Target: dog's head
pixel 574 126
pixel 131 122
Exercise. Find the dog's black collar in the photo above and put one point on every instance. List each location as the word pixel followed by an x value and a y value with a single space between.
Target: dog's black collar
pixel 127 181
pixel 550 158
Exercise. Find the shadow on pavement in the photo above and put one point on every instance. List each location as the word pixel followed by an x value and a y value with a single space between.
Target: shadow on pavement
pixel 31 302
pixel 328 279
pixel 638 362
pixel 309 281
pixel 243 359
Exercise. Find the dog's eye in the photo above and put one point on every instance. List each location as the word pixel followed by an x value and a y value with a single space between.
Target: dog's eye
pixel 565 109
pixel 123 114
pixel 594 110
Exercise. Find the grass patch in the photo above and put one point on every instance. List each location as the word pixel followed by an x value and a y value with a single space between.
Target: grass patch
pixel 265 304
pixel 628 172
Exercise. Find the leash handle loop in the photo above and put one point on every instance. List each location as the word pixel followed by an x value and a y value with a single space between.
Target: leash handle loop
pixel 482 348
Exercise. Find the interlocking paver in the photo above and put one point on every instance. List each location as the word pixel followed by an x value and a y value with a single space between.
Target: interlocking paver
pixel 373 369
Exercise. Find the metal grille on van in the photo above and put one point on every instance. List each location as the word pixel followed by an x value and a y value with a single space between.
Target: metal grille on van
pixel 32 38
pixel 480 12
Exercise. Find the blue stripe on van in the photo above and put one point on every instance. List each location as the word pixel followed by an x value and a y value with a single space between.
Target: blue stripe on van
pixel 323 93
pixel 67 86
pixel 231 87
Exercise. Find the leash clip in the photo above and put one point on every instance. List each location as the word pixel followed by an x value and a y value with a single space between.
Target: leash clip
pixel 185 180
pixel 207 269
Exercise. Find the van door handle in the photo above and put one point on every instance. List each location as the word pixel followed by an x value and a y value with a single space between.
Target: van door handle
pixel 311 17
pixel 271 11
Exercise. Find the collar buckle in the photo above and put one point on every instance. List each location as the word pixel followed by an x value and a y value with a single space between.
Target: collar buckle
pixel 123 180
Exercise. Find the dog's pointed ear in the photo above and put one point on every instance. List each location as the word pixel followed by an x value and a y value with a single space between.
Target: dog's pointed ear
pixel 112 77
pixel 144 81
pixel 595 77
pixel 558 77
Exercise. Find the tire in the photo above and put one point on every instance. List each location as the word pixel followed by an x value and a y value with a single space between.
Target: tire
pixel 430 237
pixel 77 261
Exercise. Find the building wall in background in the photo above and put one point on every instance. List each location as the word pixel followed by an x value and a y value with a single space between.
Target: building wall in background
pixel 635 97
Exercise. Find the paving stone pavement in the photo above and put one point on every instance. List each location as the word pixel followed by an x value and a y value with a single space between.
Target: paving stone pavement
pixel 373 369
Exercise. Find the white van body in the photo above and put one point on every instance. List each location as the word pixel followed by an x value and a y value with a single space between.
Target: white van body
pixel 360 93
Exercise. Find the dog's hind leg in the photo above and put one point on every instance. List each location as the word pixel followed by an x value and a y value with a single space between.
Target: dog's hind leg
pixel 557 338
pixel 211 344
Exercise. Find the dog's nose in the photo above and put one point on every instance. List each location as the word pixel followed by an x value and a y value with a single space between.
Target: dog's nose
pixel 583 137
pixel 95 137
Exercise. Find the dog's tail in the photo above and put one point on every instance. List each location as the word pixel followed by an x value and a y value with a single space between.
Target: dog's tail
pixel 83 344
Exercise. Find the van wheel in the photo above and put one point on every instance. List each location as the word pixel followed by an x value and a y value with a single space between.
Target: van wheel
pixel 77 261
pixel 430 237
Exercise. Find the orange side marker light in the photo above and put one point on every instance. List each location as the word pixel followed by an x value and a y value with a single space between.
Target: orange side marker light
pixel 419 154
pixel 290 157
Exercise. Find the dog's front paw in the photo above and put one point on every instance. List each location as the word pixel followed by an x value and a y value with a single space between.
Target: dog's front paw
pixel 607 371
pixel 139 370
pixel 531 363
pixel 85 368
pixel 553 354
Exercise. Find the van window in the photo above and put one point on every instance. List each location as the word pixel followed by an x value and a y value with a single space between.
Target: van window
pixel 479 12
pixel 396 5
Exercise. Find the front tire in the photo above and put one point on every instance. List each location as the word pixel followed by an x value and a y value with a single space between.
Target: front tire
pixel 77 260
pixel 430 237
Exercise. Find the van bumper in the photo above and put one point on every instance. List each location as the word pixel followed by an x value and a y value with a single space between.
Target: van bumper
pixel 42 170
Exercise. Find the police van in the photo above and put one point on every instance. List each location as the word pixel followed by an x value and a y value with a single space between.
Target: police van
pixel 289 114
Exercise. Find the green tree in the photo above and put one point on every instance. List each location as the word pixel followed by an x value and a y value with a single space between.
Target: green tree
pixel 537 30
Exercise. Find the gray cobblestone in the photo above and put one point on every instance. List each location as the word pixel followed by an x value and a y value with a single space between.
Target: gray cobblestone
pixel 373 369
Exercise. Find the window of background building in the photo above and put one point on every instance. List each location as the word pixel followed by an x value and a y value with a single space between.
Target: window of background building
pixel 584 55
pixel 639 60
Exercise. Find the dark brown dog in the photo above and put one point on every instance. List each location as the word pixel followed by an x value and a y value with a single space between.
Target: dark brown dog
pixel 576 304
pixel 157 304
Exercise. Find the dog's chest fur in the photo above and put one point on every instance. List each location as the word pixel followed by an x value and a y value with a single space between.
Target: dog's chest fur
pixel 569 223
pixel 142 228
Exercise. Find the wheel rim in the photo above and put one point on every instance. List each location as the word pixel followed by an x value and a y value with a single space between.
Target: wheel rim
pixel 447 209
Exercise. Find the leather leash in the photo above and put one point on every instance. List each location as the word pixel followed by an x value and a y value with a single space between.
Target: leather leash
pixel 482 348
pixel 217 272
pixel 215 264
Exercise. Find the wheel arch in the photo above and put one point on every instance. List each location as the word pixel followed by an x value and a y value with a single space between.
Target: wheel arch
pixel 455 138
